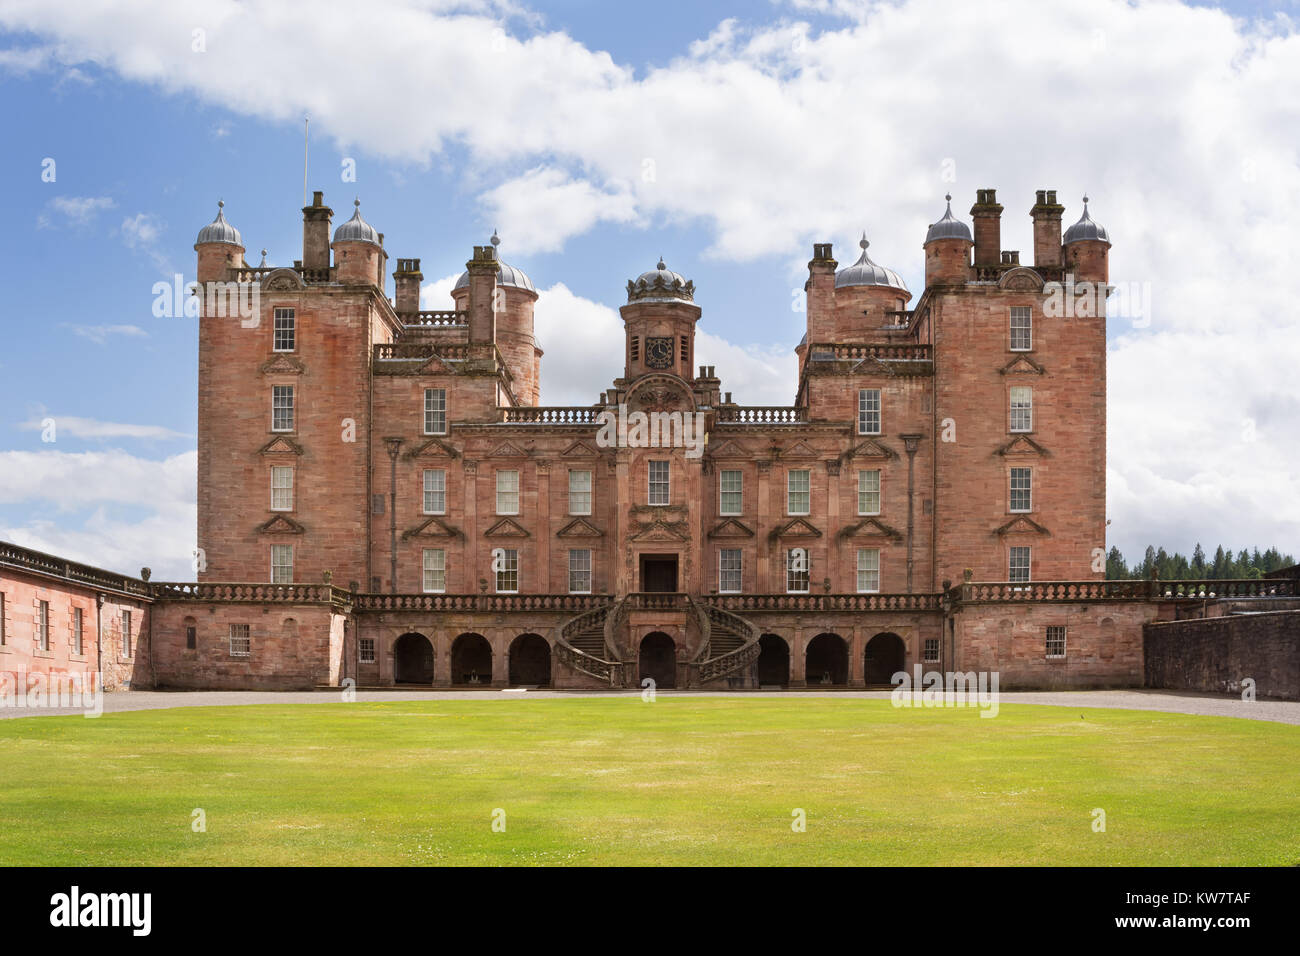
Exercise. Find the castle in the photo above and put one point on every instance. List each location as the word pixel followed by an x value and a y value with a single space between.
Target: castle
pixel 382 498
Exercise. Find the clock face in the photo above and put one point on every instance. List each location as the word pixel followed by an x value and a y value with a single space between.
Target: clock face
pixel 659 352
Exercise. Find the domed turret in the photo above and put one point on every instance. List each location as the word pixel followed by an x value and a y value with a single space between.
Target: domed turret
pixel 507 275
pixel 660 284
pixel 220 248
pixel 948 227
pixel 1087 249
pixel 356 229
pixel 947 250
pixel 1085 229
pixel 864 272
pixel 218 230
pixel 358 254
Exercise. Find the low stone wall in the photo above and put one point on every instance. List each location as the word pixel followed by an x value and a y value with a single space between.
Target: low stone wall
pixel 1217 654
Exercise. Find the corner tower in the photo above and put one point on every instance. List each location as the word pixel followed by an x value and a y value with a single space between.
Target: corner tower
pixel 512 327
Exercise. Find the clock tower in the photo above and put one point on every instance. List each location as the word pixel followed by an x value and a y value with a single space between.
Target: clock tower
pixel 659 324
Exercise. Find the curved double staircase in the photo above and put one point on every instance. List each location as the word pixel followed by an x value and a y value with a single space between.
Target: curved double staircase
pixel 590 644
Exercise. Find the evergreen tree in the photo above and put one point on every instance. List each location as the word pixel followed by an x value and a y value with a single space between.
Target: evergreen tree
pixel 1198 560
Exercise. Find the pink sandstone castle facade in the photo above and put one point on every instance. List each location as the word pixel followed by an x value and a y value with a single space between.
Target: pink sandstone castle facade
pixel 383 499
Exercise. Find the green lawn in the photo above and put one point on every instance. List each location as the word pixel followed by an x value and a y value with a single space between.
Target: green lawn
pixel 617 781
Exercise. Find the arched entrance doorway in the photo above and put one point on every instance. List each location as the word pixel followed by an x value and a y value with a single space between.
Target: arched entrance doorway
pixel 658 659
pixel 530 661
pixel 412 659
pixel 471 660
pixel 885 656
pixel 826 661
pixel 773 661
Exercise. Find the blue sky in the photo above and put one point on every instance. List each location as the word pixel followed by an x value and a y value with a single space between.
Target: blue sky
pixel 767 127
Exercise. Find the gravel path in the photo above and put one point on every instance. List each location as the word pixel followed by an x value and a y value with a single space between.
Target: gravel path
pixel 1213 705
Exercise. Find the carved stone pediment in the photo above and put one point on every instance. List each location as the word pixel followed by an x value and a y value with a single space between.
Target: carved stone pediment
pixel 506 528
pixel 1022 446
pixel 662 531
pixel 1021 524
pixel 731 528
pixel 1021 365
pixel 579 528
pixel 433 527
pixel 507 450
pixel 872 448
pixel 870 528
pixel 580 449
pixel 283 280
pixel 1022 279
pixel 281 445
pixel 281 364
pixel 433 448
pixel 728 449
pixel 799 449
pixel 435 365
pixel 798 528
pixel 280 524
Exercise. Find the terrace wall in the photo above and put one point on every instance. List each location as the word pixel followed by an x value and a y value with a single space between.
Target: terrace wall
pixel 1217 654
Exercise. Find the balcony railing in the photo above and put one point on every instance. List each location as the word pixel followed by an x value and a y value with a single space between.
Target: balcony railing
pixel 232 593
pixel 848 351
pixel 441 318
pixel 656 601
pixel 552 415
pixel 745 603
pixel 568 603
pixel 26 559
pixel 1126 590
pixel 762 415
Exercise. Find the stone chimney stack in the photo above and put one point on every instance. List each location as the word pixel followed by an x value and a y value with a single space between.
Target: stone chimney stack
pixel 482 271
pixel 316 220
pixel 988 227
pixel 406 286
pixel 1046 214
pixel 820 290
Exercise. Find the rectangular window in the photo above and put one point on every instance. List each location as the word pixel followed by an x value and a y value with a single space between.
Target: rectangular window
pixel 1018 566
pixel 869 492
pixel 868 411
pixel 686 352
pixel 281 488
pixel 241 644
pixel 729 567
pixel 868 570
pixel 284 330
pixel 579 492
pixel 635 348
pixel 507 492
pixel 435 491
pixel 1021 492
pixel 43 625
pixel 281 408
pixel 435 570
pixel 798 497
pixel 78 639
pixel 1022 336
pixel 126 633
pixel 282 564
pixel 507 569
pixel 730 484
pixel 659 483
pixel 191 638
pixel 931 650
pixel 580 571
pixel 435 411
pixel 1022 409
pixel 797 569
pixel 366 650
pixel 1055 641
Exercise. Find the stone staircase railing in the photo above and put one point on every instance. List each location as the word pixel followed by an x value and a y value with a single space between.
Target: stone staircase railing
pixel 732 662
pixel 609 672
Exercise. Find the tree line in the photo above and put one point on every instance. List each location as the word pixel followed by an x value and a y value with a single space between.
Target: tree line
pixel 1177 567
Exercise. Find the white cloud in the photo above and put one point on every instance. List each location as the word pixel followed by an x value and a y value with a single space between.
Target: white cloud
pixel 1176 118
pixel 141 233
pixel 76 210
pixel 56 485
pixel 90 428
pixel 99 334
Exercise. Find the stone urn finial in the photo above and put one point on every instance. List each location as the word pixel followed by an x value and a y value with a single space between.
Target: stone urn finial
pixel 967 575
pixel 145 574
pixel 328 577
